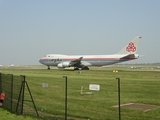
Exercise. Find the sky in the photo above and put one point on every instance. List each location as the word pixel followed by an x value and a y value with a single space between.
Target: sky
pixel 30 29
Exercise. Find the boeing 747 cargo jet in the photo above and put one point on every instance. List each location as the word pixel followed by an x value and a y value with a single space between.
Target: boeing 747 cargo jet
pixel 84 61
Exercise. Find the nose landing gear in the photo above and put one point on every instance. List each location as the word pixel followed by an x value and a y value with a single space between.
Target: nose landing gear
pixel 48 68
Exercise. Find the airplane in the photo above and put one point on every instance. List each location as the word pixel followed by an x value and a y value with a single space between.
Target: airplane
pixel 83 62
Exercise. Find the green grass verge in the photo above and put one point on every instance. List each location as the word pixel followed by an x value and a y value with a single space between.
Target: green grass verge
pixel 136 87
pixel 6 115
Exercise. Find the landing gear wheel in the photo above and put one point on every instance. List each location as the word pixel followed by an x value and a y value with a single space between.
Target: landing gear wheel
pixel 85 68
pixel 76 68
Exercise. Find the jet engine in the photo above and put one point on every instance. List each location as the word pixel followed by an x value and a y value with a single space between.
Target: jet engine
pixel 64 64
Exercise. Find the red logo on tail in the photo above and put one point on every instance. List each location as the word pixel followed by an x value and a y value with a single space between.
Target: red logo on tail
pixel 131 47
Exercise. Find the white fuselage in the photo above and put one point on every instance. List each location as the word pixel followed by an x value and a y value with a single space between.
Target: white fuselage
pixel 88 60
pixel 83 61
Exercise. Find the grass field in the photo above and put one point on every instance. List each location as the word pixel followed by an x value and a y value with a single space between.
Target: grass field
pixel 137 86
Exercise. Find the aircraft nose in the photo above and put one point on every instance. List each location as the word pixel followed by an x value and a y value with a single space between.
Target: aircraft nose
pixel 41 60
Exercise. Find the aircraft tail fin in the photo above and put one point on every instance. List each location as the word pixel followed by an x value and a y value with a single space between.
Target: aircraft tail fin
pixel 131 47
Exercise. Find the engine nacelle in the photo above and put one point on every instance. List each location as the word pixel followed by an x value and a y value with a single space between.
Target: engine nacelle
pixel 64 64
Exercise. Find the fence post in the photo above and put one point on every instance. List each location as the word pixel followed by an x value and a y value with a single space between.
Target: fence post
pixel 65 98
pixel 21 93
pixel 24 80
pixel 119 102
pixel 11 91
pixel 0 82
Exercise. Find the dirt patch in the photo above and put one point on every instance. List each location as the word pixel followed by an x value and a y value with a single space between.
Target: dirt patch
pixel 144 107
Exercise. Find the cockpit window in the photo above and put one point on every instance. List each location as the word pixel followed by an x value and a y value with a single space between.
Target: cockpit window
pixel 52 56
pixel 47 55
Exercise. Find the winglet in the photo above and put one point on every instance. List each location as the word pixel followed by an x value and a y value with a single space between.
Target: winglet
pixel 131 47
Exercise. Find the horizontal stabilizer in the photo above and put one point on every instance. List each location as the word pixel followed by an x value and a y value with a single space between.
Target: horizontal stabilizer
pixel 130 56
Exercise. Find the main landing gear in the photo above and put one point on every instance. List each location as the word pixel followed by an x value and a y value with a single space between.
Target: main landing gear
pixel 85 68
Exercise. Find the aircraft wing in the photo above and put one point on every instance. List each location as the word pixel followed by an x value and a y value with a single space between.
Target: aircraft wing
pixel 76 62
